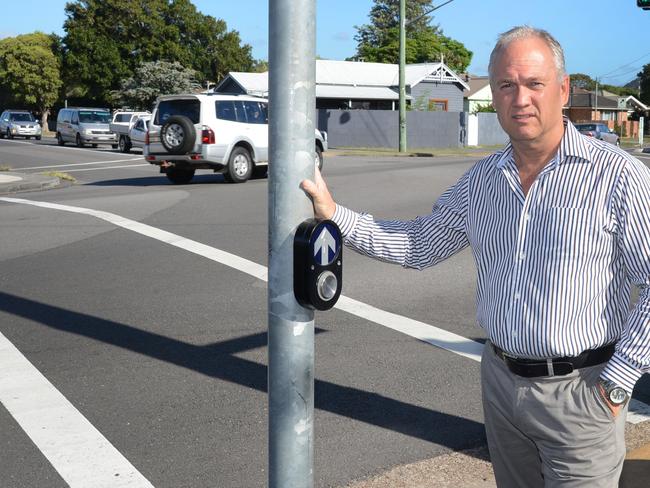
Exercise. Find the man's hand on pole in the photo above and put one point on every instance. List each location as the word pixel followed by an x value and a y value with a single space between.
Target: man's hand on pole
pixel 324 205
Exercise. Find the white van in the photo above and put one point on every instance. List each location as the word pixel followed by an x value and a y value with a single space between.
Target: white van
pixel 85 126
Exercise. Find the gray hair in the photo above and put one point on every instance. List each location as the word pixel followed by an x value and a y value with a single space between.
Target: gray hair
pixel 524 32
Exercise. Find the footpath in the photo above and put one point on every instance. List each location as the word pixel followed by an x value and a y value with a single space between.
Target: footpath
pixel 472 468
pixel 11 182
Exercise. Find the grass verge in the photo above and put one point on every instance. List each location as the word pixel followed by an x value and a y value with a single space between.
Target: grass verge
pixel 60 175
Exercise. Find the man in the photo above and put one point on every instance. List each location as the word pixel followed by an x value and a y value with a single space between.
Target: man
pixel 559 225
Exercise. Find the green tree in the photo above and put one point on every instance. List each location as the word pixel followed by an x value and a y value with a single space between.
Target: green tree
pixel 30 72
pixel 379 41
pixel 583 81
pixel 106 40
pixel 152 79
pixel 644 79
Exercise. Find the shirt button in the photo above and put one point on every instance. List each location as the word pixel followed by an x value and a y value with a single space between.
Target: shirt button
pixel 522 256
pixel 517 295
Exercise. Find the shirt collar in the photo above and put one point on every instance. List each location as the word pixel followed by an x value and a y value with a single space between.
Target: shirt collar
pixel 573 148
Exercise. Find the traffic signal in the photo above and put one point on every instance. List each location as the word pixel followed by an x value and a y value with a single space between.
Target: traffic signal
pixel 644 4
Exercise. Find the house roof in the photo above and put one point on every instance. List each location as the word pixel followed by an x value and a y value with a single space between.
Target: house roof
pixel 350 79
pixel 476 83
pixel 586 99
pixel 636 103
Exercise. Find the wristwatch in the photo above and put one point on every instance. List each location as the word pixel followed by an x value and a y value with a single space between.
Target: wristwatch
pixel 614 393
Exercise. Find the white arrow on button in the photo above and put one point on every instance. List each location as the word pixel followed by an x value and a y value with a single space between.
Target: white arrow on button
pixel 324 242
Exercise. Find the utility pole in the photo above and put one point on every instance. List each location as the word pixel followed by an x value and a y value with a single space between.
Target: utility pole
pixel 402 83
pixel 596 101
pixel 292 110
pixel 403 24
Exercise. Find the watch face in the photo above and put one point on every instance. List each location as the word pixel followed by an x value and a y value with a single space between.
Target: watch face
pixel 617 395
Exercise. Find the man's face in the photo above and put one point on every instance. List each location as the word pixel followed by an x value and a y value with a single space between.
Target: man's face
pixel 526 92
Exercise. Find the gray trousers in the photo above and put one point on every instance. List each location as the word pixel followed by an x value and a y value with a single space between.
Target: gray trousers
pixel 550 431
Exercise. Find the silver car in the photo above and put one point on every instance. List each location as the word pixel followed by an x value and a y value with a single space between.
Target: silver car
pixel 19 123
pixel 599 131
pixel 85 126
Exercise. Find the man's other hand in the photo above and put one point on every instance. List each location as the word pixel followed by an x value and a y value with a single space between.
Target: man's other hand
pixel 324 205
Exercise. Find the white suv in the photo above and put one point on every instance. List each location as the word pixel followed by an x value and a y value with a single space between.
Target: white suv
pixel 225 133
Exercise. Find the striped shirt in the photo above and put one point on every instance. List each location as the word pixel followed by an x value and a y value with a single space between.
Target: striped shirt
pixel 555 266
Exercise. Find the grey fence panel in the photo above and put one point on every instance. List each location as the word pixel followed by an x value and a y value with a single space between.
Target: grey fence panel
pixel 379 128
pixel 489 130
pixel 433 129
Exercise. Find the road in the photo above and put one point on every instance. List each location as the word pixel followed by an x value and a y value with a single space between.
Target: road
pixel 156 340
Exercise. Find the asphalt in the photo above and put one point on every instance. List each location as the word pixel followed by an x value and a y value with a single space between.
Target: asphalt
pixel 11 182
pixel 636 471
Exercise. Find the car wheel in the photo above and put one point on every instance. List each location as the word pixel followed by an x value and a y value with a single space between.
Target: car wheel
pixel 59 139
pixel 2 135
pixel 319 158
pixel 618 142
pixel 38 138
pixel 78 141
pixel 123 144
pixel 180 176
pixel 178 135
pixel 9 135
pixel 240 166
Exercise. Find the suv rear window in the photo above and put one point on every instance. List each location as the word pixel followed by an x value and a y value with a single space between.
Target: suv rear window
pixel 190 108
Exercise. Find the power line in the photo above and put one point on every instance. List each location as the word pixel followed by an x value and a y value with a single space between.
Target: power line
pixel 624 66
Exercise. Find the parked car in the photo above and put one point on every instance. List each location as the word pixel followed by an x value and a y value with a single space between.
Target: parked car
pixel 19 123
pixel 599 131
pixel 122 123
pixel 138 132
pixel 83 126
pixel 225 133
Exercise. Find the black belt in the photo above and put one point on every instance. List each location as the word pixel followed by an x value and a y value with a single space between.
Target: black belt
pixel 530 368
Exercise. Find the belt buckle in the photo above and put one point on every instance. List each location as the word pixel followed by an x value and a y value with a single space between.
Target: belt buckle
pixel 559 368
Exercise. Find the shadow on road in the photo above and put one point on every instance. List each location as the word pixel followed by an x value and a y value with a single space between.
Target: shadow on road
pixel 218 361
pixel 159 181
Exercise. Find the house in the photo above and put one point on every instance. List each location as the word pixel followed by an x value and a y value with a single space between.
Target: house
pixel 478 95
pixel 585 106
pixel 370 86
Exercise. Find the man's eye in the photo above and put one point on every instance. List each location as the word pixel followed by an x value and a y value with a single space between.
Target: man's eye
pixel 505 85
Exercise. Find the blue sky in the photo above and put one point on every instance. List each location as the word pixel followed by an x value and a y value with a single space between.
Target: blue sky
pixel 604 38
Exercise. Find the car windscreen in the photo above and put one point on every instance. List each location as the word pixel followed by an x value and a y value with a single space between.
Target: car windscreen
pixel 21 117
pixel 94 117
pixel 585 127
pixel 190 108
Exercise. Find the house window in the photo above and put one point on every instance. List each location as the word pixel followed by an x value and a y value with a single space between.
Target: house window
pixel 437 105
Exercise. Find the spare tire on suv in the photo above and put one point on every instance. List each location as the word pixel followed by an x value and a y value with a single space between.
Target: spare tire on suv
pixel 178 134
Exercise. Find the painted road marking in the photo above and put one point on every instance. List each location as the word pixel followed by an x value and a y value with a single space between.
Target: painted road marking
pixel 75 448
pixel 80 164
pixel 449 341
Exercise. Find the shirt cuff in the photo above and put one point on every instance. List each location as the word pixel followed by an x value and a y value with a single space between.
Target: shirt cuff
pixel 621 372
pixel 345 218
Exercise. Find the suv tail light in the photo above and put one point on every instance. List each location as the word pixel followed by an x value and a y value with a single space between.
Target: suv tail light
pixel 207 135
pixel 590 134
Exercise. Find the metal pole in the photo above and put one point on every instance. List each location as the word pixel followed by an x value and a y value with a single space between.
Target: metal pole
pixel 402 83
pixel 596 102
pixel 292 110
